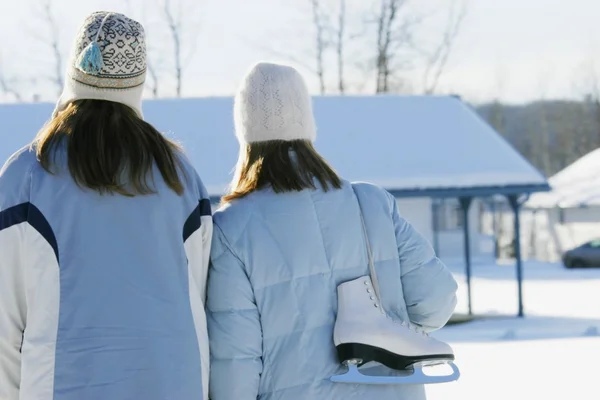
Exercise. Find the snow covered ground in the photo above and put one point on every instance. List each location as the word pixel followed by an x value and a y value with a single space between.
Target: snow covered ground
pixel 550 354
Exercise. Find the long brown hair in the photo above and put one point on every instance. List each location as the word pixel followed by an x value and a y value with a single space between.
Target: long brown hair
pixel 106 143
pixel 285 166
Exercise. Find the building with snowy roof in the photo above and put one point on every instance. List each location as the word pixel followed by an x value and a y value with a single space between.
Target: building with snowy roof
pixel 434 154
pixel 568 215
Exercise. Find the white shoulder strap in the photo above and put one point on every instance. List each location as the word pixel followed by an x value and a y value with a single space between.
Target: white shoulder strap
pixel 374 279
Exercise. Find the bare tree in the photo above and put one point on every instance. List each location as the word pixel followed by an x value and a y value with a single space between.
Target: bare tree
pixel 395 32
pixel 496 116
pixel 397 28
pixel 587 122
pixel 311 59
pixel 7 88
pixel 541 134
pixel 183 34
pixel 437 60
pixel 50 37
pixel 54 43
pixel 320 42
pixel 175 29
pixel 544 139
pixel 593 99
pixel 153 76
pixel 152 63
pixel 389 11
pixel 341 30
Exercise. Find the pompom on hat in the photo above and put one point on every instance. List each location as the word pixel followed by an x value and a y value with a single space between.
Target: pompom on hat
pixel 273 103
pixel 108 62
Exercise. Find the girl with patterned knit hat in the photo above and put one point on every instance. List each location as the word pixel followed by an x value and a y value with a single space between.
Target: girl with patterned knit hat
pixel 105 233
pixel 288 233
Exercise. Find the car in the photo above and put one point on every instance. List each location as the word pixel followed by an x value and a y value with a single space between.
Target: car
pixel 586 255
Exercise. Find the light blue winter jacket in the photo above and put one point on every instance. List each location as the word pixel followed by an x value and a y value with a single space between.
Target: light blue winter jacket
pixel 276 261
pixel 101 297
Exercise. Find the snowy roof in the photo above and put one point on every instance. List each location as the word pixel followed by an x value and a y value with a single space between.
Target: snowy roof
pixel 578 185
pixel 404 143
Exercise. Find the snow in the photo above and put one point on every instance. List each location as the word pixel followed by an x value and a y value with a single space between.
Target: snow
pixel 575 186
pixel 399 142
pixel 547 355
pixel 540 370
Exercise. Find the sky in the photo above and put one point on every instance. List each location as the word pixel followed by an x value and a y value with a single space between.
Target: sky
pixel 515 51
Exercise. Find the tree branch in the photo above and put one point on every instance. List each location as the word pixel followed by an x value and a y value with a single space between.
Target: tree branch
pixel 340 44
pixel 7 85
pixel 390 39
pixel 177 18
pixel 175 30
pixel 51 38
pixel 152 66
pixel 282 55
pixel 320 44
pixel 437 61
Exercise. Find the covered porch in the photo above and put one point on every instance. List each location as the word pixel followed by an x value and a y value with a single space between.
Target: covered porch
pixel 516 196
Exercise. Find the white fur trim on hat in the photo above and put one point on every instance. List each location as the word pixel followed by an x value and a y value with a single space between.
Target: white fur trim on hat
pixel 108 62
pixel 273 103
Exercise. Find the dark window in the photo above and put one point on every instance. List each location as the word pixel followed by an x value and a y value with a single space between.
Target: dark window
pixel 595 244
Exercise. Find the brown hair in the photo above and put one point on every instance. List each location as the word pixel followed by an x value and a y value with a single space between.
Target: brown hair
pixel 106 141
pixel 285 166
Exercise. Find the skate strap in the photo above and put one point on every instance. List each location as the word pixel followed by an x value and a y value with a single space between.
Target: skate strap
pixel 374 279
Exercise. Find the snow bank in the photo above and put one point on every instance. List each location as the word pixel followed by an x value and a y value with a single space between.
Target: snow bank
pixel 548 355
pixel 520 370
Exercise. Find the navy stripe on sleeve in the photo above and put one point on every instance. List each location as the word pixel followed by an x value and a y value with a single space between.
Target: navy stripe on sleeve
pixel 27 212
pixel 205 207
pixel 194 221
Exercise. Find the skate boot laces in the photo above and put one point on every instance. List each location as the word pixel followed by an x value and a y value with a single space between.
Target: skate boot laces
pixel 405 324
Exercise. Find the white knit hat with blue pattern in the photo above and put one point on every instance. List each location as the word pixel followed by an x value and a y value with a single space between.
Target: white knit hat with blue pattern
pixel 108 62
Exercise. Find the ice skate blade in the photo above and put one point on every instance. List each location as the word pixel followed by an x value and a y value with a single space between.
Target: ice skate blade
pixel 418 377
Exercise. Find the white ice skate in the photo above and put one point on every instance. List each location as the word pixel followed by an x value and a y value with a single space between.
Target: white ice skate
pixel 364 333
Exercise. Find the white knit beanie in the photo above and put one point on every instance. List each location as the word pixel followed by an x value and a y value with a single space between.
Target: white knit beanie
pixel 273 103
pixel 108 62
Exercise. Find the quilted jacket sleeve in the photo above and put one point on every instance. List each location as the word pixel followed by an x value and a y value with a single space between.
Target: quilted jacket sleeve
pixel 429 287
pixel 234 326
pixel 14 195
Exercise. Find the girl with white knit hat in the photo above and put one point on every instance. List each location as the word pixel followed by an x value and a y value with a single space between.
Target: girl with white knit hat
pixel 288 233
pixel 105 233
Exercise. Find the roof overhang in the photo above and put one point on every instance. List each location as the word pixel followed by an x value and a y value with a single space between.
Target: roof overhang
pixel 450 192
pixel 480 191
